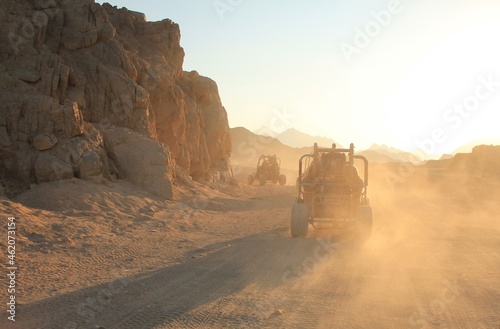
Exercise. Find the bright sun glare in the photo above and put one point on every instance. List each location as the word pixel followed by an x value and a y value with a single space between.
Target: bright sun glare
pixel 448 76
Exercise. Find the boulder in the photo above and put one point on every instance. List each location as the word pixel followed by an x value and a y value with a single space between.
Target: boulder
pixel 50 168
pixel 142 160
pixel 44 142
pixel 68 120
pixel 89 165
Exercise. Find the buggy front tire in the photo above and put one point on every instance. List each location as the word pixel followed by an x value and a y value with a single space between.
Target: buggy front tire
pixel 250 179
pixel 282 180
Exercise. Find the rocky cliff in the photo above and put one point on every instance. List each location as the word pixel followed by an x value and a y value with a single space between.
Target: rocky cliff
pixel 483 160
pixel 86 90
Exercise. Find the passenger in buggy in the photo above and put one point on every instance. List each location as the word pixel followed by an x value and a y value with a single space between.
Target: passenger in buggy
pixel 335 168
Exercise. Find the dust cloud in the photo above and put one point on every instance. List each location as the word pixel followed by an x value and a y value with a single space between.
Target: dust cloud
pixel 229 260
pixel 433 257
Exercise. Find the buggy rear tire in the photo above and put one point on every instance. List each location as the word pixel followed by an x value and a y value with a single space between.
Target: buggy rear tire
pixel 282 180
pixel 262 180
pixel 250 179
pixel 299 222
pixel 364 223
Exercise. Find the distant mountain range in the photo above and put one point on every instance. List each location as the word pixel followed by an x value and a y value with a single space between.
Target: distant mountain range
pixel 383 153
pixel 294 138
pixel 482 160
pixel 248 146
pixel 467 148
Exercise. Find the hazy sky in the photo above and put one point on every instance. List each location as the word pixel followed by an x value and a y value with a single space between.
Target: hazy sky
pixel 400 73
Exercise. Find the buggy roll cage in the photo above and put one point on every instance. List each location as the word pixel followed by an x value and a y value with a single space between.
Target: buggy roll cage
pixel 266 157
pixel 314 157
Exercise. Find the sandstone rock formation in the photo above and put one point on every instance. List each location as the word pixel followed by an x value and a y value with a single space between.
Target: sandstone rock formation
pixel 483 160
pixel 72 69
pixel 144 161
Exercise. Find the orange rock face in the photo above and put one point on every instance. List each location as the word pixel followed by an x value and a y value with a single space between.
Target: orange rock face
pixel 69 68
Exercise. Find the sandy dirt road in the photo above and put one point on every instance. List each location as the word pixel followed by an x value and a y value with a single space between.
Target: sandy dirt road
pixel 433 262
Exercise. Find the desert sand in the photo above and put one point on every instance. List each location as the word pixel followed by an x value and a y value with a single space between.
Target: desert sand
pixel 122 189
pixel 94 256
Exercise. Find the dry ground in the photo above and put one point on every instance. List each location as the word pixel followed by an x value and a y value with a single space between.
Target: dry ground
pixel 93 256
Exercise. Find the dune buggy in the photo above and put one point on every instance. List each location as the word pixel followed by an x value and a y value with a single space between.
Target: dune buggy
pixel 268 169
pixel 330 191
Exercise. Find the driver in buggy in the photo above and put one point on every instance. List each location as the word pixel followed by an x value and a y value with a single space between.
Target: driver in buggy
pixel 264 167
pixel 273 164
pixel 334 166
